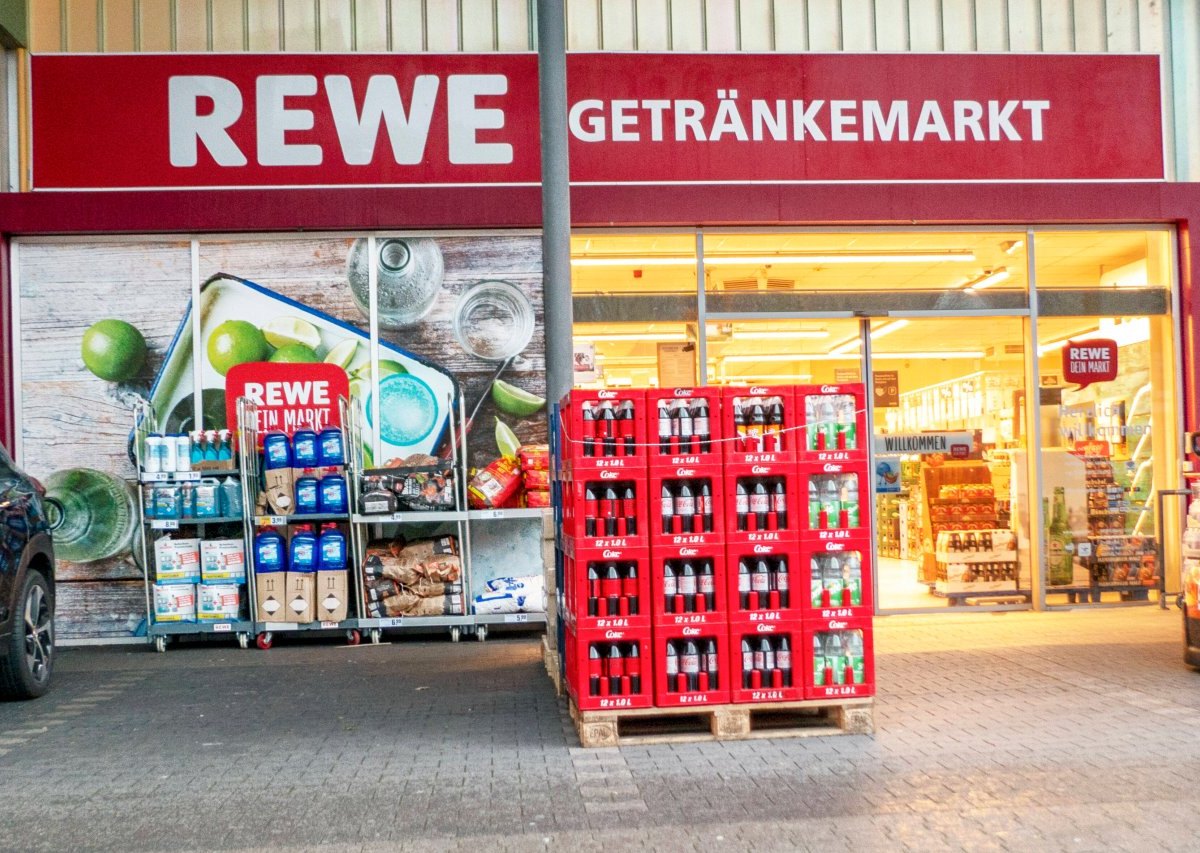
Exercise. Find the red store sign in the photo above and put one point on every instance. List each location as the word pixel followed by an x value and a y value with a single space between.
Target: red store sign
pixel 289 396
pixel 1093 360
pixel 260 120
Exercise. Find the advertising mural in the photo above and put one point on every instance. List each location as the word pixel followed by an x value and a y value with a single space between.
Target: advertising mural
pixel 105 325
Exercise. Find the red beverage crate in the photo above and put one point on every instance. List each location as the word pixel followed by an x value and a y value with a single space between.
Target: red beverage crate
pixel 784 591
pixel 825 568
pixel 697 478
pixel 746 440
pixel 679 406
pixel 602 523
pixel 706 608
pixel 604 681
pixel 704 640
pixel 833 422
pixel 606 424
pixel 831 676
pixel 767 661
pixel 604 602
pixel 770 475
pixel 822 489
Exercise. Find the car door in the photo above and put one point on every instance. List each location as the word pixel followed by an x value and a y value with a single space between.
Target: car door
pixel 16 493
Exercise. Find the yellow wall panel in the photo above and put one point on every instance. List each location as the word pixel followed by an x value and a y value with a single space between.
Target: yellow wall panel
pixel 441 25
pixel 1090 26
pixel 478 26
pixel 687 31
pixel 791 27
pixel 118 26
pixel 263 30
pixel 617 28
pixel 299 26
pixel 408 26
pixel 154 26
pixel 583 25
pixel 824 25
pixel 958 25
pixel 858 25
pixel 513 26
pixel 1024 25
pixel 82 27
pixel 991 26
pixel 228 26
pixel 45 26
pixel 891 27
pixel 1058 25
pixel 337 26
pixel 1152 29
pixel 1122 29
pixel 191 25
pixel 758 28
pixel 925 26
pixel 371 26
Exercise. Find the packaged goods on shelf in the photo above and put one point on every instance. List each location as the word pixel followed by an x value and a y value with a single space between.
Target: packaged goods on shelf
pixel 301 593
pixel 215 602
pixel 332 599
pixel 175 602
pixel 420 578
pixel 421 482
pixel 512 595
pixel 271 591
pixel 534 457
pixel 177 560
pixel 222 560
pixel 497 485
pixel 537 498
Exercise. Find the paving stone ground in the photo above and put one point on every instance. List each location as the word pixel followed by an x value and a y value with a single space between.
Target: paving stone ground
pixel 1016 731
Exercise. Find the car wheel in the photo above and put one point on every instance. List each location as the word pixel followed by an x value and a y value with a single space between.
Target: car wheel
pixel 26 664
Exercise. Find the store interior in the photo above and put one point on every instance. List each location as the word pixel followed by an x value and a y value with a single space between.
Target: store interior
pixel 954 332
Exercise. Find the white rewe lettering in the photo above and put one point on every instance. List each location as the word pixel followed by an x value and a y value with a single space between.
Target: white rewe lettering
pixel 273 120
pixel 186 126
pixel 465 119
pixel 358 131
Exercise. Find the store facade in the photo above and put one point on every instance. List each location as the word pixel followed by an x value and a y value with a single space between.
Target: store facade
pixel 944 255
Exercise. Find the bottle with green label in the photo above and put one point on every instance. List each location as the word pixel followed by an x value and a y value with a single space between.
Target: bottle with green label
pixel 855 656
pixel 819 660
pixel 835 657
pixel 852 576
pixel 1060 546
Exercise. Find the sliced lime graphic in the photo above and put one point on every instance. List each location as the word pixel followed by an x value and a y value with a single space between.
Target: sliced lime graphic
pixel 284 331
pixel 342 354
pixel 515 401
pixel 295 354
pixel 236 342
pixel 113 350
pixel 506 440
pixel 386 368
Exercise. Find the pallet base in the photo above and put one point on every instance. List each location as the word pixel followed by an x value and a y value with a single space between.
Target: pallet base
pixel 723 722
pixel 553 668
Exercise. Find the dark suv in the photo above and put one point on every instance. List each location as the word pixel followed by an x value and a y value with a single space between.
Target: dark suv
pixel 26 584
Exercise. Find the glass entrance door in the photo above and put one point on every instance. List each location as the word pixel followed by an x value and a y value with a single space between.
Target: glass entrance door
pixel 946 398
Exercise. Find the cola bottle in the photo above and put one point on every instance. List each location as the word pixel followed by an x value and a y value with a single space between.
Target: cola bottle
pixel 689 666
pixel 685 507
pixel 589 510
pixel 743 584
pixel 760 585
pixel 707 587
pixel 700 425
pixel 704 506
pixel 629 510
pixel 593 603
pixel 773 430
pixel 747 664
pixel 760 504
pixel 629 588
pixel 741 505
pixel 711 664
pixel 671 662
pixel 611 587
pixel 739 425
pixel 684 416
pixel 783 660
pixel 782 584
pixel 608 509
pixel 668 508
pixel 670 588
pixel 625 421
pixel 588 415
pixel 779 504
pixel 616 669
pixel 595 666
pixel 607 427
pixel 633 668
pixel 768 652
pixel 664 427
pixel 756 422
pixel 687 587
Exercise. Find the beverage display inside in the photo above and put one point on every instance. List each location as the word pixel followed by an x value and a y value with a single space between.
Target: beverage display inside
pixel 1017 448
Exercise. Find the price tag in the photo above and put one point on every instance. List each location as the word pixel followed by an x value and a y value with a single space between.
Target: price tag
pixel 157 477
pixel 222 628
pixel 280 626
pixel 493 513
pixel 1084 549
pixel 517 617
pixel 164 524
pixel 329 624
pixel 270 520
pixel 187 476
pixel 392 622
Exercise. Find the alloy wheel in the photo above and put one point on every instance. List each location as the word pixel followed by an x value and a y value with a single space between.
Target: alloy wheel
pixel 39 634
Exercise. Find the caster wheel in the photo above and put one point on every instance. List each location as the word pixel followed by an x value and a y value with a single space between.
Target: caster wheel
pixel 263 641
pixel 353 638
pixel 244 641
pixel 160 644
pixel 376 636
pixel 455 634
pixel 481 633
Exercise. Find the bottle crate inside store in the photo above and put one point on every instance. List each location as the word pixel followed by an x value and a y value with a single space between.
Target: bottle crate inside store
pixel 605 427
pixel 760 423
pixel 606 510
pixel 834 425
pixel 839 659
pixel 684 426
pixel 691 665
pixel 765 581
pixel 686 503
pixel 836 579
pixel 768 664
pixel 761 502
pixel 608 588
pixel 688 585
pixel 834 495
pixel 609 668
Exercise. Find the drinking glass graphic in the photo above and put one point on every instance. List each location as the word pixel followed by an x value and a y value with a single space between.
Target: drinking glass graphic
pixel 409 278
pixel 407 409
pixel 493 320
pixel 99 514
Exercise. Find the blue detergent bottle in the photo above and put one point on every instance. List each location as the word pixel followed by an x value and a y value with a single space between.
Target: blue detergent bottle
pixel 332 548
pixel 303 550
pixel 231 498
pixel 269 552
pixel 332 494
pixel 304 449
pixel 276 450
pixel 330 449
pixel 307 491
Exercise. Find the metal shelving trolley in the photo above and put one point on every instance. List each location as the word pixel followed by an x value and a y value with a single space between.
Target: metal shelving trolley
pixel 250 455
pixel 185 594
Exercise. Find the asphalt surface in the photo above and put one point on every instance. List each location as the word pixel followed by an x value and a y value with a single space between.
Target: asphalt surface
pixel 1017 731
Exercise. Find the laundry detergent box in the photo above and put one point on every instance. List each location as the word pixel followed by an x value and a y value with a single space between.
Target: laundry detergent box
pixel 216 602
pixel 177 560
pixel 175 602
pixel 222 560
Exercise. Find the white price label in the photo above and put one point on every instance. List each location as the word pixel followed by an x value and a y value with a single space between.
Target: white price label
pixel 222 628
pixel 325 624
pixel 164 524
pixel 517 617
pixel 1084 549
pixel 493 513
pixel 187 476
pixel 157 477
pixel 392 622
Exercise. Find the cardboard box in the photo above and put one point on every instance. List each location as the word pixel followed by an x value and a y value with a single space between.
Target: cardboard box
pixel 218 602
pixel 222 560
pixel 279 486
pixel 177 560
pixel 271 589
pixel 174 603
pixel 300 596
pixel 332 596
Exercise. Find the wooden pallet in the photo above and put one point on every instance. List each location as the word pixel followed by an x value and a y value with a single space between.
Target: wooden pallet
pixel 724 722
pixel 551 661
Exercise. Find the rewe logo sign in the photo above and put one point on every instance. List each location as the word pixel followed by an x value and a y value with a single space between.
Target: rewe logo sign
pixel 289 396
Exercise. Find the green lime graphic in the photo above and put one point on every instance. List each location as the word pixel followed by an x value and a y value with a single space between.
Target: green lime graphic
pixel 295 354
pixel 113 350
pixel 515 401
pixel 236 342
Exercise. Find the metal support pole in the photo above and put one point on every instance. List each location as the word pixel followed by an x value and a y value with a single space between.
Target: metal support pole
pixel 556 197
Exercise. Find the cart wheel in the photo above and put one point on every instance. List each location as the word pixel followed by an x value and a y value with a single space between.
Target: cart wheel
pixel 455 633
pixel 376 636
pixel 353 638
pixel 263 641
pixel 244 640
pixel 160 644
pixel 481 633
